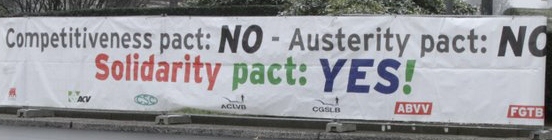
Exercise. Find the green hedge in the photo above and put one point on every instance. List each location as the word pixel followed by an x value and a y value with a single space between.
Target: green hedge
pixel 249 10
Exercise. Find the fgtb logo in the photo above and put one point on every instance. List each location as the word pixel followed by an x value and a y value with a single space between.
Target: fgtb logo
pixel 12 94
pixel 74 96
pixel 526 112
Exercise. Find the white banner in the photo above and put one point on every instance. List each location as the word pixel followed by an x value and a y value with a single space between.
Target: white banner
pixel 402 68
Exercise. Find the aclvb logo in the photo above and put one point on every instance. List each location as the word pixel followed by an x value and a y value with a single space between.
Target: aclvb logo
pixel 331 106
pixel 235 104
pixel 76 97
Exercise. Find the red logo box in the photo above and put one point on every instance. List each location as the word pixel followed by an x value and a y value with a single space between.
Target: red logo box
pixel 11 93
pixel 413 108
pixel 526 112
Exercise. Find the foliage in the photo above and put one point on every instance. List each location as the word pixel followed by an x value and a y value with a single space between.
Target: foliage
pixel 432 6
pixel 462 8
pixel 341 7
pixel 232 2
pixel 4 11
pixel 237 10
pixel 37 6
pixel 404 7
pixel 292 7
pixel 306 7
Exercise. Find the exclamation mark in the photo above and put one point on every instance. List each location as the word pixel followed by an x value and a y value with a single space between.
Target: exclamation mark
pixel 410 64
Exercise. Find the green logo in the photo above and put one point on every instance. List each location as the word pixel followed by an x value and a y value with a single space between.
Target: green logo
pixel 76 97
pixel 145 99
pixel 73 96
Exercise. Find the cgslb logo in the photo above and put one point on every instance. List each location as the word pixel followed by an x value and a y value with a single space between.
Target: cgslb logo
pixel 328 105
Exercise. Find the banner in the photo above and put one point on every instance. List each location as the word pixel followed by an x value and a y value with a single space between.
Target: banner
pixel 399 68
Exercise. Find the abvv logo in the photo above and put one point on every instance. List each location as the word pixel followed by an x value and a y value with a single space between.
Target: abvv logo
pixel 237 104
pixel 75 96
pixel 413 108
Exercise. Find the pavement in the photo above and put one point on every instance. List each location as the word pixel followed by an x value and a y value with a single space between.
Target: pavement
pixel 257 127
pixel 42 133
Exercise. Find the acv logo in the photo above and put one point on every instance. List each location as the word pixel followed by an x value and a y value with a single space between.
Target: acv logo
pixel 75 96
pixel 145 99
